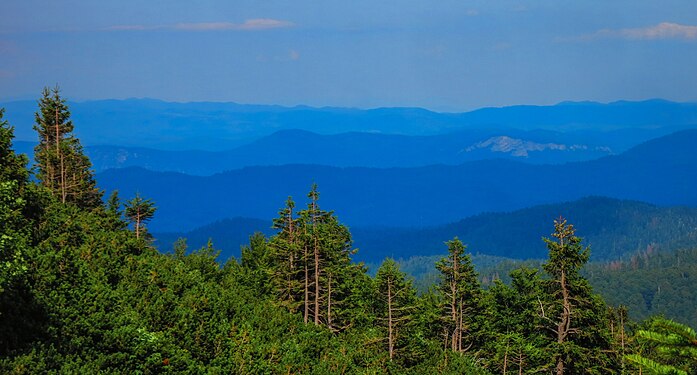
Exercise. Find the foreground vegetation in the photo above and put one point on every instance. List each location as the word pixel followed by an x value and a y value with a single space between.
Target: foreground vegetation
pixel 80 292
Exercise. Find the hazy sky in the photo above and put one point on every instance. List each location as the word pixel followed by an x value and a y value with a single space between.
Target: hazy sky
pixel 443 55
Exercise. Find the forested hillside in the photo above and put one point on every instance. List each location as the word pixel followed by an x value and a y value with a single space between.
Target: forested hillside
pixel 648 283
pixel 365 150
pixel 614 228
pixel 82 290
pixel 659 172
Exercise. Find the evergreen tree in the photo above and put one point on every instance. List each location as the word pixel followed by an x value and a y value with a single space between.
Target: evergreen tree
pixel 139 211
pixel 113 204
pixel 396 304
pixel 12 165
pixel 459 289
pixel 255 264
pixel 288 263
pixel 311 265
pixel 14 231
pixel 515 338
pixel 574 315
pixel 62 166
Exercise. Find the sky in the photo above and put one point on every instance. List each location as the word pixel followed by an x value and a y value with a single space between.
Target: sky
pixel 447 55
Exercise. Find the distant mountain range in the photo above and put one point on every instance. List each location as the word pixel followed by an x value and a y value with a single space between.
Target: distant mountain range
pixel 223 126
pixel 359 150
pixel 660 172
pixel 613 228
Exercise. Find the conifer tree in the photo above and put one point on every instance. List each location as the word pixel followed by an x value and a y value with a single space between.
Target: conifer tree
pixel 287 258
pixel 515 339
pixel 575 317
pixel 315 215
pixel 12 165
pixel 311 264
pixel 396 302
pixel 459 289
pixel 62 166
pixel 14 229
pixel 113 204
pixel 139 211
pixel 256 264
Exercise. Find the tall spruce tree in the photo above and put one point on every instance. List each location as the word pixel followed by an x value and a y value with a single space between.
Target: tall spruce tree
pixel 459 289
pixel 395 307
pixel 62 165
pixel 575 317
pixel 287 259
pixel 311 265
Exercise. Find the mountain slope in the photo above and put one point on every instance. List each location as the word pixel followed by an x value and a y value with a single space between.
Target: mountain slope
pixel 418 197
pixel 228 235
pixel 360 150
pixel 613 228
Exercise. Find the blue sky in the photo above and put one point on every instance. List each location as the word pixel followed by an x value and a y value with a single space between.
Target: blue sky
pixel 444 55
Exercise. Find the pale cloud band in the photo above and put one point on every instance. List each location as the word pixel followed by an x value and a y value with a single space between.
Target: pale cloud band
pixel 664 30
pixel 248 25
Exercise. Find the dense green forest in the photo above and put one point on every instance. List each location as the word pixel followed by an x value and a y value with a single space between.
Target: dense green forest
pixel 647 283
pixel 82 290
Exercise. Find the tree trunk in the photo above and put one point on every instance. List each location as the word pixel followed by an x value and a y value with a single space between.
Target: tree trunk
pixel 306 314
pixel 329 301
pixel 60 157
pixel 137 222
pixel 453 303
pixel 317 273
pixel 64 192
pixel 390 338
pixel 460 328
pixel 505 359
pixel 565 321
pixel 291 265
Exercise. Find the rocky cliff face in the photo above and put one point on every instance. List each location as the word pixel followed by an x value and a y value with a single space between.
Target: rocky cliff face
pixel 522 148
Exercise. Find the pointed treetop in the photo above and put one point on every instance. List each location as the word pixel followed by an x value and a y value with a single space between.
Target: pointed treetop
pixel 12 166
pixel 566 253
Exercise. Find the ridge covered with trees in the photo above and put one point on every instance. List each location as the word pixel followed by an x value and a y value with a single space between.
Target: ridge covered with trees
pixel 81 292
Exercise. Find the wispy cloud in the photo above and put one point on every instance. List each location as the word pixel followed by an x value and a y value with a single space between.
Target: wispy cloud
pixel 248 25
pixel 131 28
pixel 664 30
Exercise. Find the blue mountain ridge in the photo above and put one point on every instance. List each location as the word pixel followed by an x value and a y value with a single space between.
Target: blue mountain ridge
pixel 223 126
pixel 660 171
pixel 614 229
